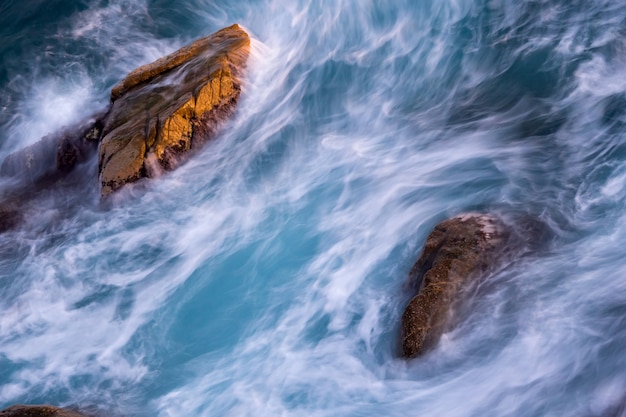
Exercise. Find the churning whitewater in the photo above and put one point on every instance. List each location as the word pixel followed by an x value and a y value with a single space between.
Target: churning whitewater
pixel 264 277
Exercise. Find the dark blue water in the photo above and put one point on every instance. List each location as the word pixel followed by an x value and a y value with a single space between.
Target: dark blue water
pixel 264 277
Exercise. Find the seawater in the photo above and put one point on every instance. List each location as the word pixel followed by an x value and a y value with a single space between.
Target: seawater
pixel 264 277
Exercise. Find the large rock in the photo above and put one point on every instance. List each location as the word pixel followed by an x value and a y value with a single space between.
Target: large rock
pixel 456 251
pixel 38 411
pixel 163 110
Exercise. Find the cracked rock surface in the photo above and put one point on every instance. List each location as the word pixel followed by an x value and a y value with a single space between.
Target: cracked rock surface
pixel 456 251
pixel 163 110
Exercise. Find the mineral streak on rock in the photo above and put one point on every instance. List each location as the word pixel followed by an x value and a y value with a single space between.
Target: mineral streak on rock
pixel 38 411
pixel 165 109
pixel 456 251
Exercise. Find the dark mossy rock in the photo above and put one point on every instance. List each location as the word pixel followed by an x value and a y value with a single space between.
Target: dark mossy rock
pixel 162 111
pixel 456 251
pixel 38 411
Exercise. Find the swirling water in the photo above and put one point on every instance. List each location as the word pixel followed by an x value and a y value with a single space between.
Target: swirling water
pixel 264 277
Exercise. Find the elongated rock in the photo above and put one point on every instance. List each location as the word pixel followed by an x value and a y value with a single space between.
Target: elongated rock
pixel 456 251
pixel 38 411
pixel 162 111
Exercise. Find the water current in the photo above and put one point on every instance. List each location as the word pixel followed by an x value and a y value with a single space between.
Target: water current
pixel 264 277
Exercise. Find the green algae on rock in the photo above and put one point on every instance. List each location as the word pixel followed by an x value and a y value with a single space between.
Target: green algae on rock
pixel 165 109
pixel 456 251
pixel 38 411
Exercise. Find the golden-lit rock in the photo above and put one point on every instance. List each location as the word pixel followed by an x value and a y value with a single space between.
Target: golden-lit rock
pixel 163 110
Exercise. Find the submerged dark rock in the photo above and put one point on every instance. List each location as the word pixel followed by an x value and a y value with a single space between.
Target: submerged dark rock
pixel 73 149
pixel 55 154
pixel 55 165
pixel 10 217
pixel 38 411
pixel 162 111
pixel 457 251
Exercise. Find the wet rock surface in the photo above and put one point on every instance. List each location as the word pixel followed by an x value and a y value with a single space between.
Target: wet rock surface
pixel 38 411
pixel 457 251
pixel 162 111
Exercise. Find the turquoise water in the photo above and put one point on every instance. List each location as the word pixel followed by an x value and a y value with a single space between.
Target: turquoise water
pixel 264 277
